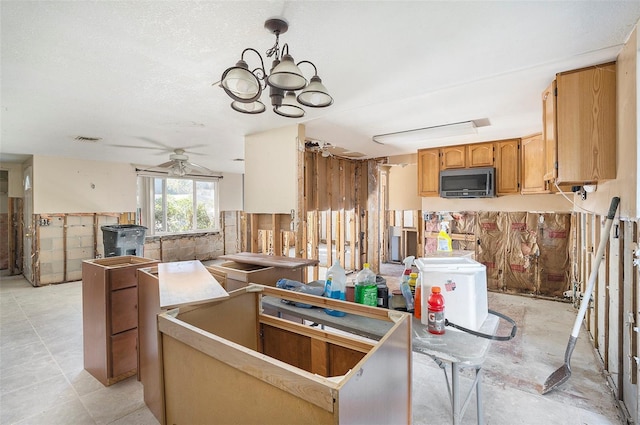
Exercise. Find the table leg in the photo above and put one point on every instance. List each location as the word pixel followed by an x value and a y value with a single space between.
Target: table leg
pixel 455 392
pixel 480 407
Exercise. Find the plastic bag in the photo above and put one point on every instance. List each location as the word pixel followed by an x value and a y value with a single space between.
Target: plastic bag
pixel 312 288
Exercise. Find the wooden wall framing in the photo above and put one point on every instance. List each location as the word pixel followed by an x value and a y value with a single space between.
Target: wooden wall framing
pixel 612 317
pixel 338 216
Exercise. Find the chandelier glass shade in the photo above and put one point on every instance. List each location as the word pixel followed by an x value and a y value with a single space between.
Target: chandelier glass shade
pixel 255 107
pixel 240 83
pixel 288 107
pixel 245 86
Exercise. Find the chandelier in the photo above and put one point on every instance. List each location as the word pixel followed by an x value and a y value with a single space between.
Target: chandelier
pixel 288 88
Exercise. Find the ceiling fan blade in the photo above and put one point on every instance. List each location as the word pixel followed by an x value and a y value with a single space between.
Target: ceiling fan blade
pixel 199 168
pixel 155 142
pixel 135 147
pixel 168 164
pixel 190 152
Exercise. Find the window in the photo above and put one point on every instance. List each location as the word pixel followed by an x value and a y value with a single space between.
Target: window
pixel 169 205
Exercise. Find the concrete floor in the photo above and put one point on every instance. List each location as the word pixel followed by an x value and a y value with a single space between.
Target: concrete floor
pixel 42 380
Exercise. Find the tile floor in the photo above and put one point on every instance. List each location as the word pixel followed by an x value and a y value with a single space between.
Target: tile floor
pixel 42 380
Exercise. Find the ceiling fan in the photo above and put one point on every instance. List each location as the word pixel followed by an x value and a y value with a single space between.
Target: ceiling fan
pixel 327 150
pixel 160 147
pixel 179 166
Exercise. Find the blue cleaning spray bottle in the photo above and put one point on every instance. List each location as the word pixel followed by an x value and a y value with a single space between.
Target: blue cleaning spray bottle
pixel 404 282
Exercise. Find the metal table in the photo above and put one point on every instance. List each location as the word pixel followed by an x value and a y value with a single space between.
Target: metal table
pixel 460 349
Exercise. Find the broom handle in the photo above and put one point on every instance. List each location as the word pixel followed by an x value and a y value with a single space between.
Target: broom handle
pixel 604 237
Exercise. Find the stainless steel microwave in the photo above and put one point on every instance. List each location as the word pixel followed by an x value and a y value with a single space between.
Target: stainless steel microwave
pixel 468 183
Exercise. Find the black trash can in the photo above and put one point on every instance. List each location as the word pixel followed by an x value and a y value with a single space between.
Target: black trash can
pixel 123 239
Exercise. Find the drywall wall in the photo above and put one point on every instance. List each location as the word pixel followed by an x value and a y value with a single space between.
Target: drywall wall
pixel 65 185
pixel 271 170
pixel 626 183
pixel 15 189
pixel 537 203
pixel 230 192
pixel 403 186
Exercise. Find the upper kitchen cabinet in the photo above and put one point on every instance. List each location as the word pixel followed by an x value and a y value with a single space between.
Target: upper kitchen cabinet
pixel 549 132
pixel 428 172
pixel 454 157
pixel 584 127
pixel 507 160
pixel 533 165
pixel 480 155
pixel 467 156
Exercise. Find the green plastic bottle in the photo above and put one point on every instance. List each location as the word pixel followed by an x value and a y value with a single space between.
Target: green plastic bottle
pixel 366 290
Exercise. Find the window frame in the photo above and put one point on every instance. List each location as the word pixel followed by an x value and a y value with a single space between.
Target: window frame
pixel 146 202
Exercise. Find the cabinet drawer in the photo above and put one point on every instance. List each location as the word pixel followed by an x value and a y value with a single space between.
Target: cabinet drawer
pixel 124 357
pixel 122 277
pixel 124 310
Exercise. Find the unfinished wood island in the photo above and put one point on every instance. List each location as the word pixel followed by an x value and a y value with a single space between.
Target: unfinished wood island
pixel 169 285
pixel 228 362
pixel 248 267
pixel 110 316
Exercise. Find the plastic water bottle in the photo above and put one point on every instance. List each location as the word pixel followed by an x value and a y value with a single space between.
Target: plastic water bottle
pixel 435 323
pixel 335 287
pixel 366 288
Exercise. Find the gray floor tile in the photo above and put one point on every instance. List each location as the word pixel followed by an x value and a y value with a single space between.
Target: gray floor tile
pixel 41 332
pixel 69 413
pixel 28 374
pixel 12 355
pixel 114 402
pixel 35 399
pixel 141 416
pixel 18 333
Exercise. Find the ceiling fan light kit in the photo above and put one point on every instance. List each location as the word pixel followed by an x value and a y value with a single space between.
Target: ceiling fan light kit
pixel 245 86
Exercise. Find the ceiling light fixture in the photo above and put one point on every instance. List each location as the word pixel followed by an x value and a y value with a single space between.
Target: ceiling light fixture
pixel 429 133
pixel 245 86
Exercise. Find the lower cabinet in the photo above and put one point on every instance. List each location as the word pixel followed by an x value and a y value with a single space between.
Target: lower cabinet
pixel 228 362
pixel 110 316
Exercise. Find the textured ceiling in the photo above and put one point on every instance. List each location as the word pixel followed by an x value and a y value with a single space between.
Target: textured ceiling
pixel 138 75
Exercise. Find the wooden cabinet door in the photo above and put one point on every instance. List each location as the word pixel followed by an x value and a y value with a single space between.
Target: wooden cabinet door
pixel 124 310
pixel 480 155
pixel 428 172
pixel 454 157
pixel 549 131
pixel 586 124
pixel 124 277
pixel 507 167
pixel 124 356
pixel 532 154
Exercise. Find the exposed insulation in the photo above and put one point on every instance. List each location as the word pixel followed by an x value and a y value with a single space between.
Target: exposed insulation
pixel 491 230
pixel 431 244
pixel 464 223
pixel 521 253
pixel 554 253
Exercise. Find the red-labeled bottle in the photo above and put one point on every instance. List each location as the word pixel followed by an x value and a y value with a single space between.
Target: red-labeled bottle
pixel 435 319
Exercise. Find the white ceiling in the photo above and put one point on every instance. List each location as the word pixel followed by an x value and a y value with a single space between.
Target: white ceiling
pixel 140 74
